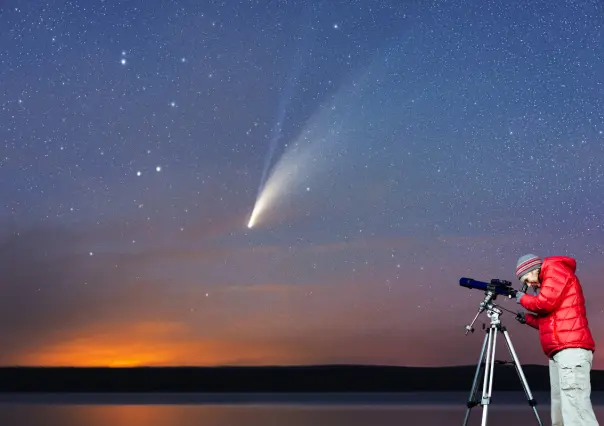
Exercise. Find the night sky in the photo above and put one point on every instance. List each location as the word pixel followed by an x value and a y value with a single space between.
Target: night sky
pixel 393 147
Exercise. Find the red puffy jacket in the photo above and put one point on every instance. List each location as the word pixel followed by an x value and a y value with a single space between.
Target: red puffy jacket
pixel 559 308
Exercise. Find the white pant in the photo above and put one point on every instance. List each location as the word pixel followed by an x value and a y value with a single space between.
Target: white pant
pixel 569 373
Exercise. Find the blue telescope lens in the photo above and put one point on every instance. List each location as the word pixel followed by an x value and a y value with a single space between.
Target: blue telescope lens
pixel 497 286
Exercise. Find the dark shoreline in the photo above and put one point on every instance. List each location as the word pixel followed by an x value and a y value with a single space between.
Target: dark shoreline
pixel 295 379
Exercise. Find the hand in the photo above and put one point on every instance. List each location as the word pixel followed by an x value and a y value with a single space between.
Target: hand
pixel 521 317
pixel 519 295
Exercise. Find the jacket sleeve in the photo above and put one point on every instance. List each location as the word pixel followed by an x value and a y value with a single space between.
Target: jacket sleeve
pixel 532 320
pixel 549 297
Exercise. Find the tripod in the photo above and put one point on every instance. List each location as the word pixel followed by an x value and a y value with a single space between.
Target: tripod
pixel 488 349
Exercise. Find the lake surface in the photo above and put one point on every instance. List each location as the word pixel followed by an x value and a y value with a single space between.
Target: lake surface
pixel 267 410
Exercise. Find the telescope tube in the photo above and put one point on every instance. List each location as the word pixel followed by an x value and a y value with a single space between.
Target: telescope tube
pixel 480 285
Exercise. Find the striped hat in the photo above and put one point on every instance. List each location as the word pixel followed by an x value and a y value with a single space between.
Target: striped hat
pixel 527 263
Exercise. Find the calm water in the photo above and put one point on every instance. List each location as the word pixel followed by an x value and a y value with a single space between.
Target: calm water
pixel 271 410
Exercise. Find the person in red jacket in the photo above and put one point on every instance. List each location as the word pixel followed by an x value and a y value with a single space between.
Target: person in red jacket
pixel 558 312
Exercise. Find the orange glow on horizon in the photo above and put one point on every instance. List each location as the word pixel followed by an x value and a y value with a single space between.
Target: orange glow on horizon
pixel 151 344
pixel 153 354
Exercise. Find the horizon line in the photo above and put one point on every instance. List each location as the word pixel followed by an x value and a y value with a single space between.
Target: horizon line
pixel 117 367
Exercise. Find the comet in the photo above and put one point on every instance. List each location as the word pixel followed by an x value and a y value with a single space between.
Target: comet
pixel 346 131
pixel 322 144
pixel 303 46
pixel 281 182
pixel 303 164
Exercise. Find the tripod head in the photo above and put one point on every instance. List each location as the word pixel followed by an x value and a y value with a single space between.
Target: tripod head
pixel 492 289
pixel 493 311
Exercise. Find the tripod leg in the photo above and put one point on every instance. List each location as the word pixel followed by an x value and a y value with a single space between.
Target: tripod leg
pixel 525 385
pixel 487 386
pixel 472 398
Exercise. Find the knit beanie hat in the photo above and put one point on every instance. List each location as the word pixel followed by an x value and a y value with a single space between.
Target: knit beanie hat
pixel 527 263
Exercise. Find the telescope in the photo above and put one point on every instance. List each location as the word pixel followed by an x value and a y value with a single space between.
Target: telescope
pixel 486 362
pixel 496 287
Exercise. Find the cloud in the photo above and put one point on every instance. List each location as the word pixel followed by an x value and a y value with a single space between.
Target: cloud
pixel 127 304
pixel 62 306
pixel 192 298
pixel 52 288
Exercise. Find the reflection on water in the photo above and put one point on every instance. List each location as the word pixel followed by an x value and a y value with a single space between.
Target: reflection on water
pixel 260 415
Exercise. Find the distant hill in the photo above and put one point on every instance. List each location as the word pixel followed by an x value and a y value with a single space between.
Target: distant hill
pixel 320 378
